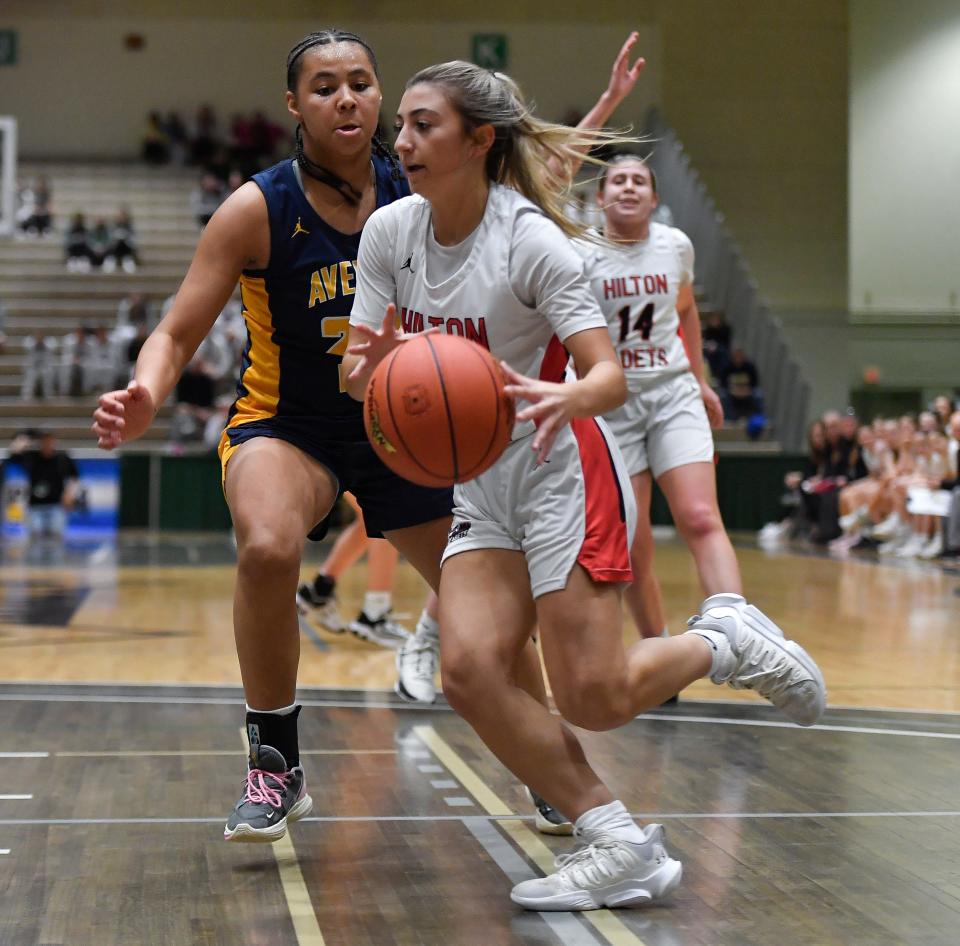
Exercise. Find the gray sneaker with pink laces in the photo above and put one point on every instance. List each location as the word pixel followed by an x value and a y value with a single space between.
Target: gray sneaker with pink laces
pixel 272 795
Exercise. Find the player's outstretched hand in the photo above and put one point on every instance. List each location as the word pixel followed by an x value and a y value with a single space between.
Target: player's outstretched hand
pixel 712 403
pixel 122 416
pixel 623 76
pixel 551 407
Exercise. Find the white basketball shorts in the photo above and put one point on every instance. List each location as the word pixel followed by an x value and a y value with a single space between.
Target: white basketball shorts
pixel 664 427
pixel 577 507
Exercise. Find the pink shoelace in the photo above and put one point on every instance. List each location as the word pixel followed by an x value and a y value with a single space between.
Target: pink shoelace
pixel 259 792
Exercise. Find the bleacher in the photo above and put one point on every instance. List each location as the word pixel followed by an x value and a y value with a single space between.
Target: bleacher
pixel 41 296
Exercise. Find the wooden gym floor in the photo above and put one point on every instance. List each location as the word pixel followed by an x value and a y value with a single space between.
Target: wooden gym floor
pixel 122 752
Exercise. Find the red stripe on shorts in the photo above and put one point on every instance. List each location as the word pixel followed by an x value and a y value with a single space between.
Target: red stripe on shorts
pixel 605 552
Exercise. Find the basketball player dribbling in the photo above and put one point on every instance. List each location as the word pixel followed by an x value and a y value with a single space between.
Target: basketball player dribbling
pixel 294 439
pixel 484 238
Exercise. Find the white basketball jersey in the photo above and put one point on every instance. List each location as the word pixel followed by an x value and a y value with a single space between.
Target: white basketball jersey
pixel 477 300
pixel 636 286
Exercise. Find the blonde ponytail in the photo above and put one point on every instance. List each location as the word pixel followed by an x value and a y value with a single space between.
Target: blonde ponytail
pixel 532 156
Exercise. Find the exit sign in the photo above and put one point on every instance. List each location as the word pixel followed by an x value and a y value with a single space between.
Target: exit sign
pixel 490 50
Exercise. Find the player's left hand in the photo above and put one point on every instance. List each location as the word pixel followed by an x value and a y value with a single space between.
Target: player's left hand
pixel 712 403
pixel 623 76
pixel 551 407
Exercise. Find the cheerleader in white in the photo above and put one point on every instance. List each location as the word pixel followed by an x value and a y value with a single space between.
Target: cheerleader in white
pixel 484 239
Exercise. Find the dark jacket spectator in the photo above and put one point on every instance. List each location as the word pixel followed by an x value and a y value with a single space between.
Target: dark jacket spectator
pixel 740 381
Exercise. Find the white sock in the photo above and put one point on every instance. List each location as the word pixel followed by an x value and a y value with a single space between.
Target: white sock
pixel 612 819
pixel 721 665
pixel 283 711
pixel 376 604
pixel 428 627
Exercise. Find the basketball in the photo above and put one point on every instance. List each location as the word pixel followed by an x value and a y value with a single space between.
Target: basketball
pixel 436 412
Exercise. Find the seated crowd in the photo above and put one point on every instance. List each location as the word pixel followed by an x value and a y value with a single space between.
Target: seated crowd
pixel 102 246
pixel 890 485
pixel 97 358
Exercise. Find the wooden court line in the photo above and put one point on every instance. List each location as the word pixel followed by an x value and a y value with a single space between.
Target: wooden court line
pixel 604 921
pixel 302 914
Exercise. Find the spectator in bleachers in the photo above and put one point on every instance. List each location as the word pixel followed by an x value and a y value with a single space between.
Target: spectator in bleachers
pixel 101 361
pixel 79 254
pixel 716 342
pixel 943 409
pixel 131 312
pixel 204 142
pixel 39 366
pixel 235 180
pixel 98 239
pixel 740 387
pixel 195 395
pixel 264 137
pixel 73 351
pixel 230 335
pixel 131 352
pixel 122 248
pixel 953 442
pixel 53 482
pixel 176 132
pixel 34 215
pixel 800 500
pixel 242 151
pixel 156 144
pixel 206 198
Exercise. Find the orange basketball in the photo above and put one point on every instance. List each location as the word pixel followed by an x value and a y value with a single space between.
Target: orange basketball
pixel 436 412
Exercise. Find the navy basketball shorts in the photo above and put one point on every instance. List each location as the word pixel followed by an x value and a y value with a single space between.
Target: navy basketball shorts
pixel 388 501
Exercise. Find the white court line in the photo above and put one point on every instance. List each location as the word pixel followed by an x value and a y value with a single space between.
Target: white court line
pixel 4 850
pixel 412 707
pixel 164 753
pixel 821 727
pixel 15 797
pixel 168 685
pixel 24 755
pixel 390 819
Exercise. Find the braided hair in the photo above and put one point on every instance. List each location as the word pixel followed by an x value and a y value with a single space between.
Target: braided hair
pixel 324 38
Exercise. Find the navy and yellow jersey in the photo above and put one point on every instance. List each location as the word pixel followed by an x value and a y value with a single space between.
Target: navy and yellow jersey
pixel 297 312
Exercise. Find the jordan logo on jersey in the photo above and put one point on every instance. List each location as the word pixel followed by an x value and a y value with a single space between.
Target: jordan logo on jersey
pixel 298 229
pixel 407 265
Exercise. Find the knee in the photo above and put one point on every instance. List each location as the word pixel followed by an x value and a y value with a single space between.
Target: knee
pixel 266 552
pixel 699 520
pixel 596 704
pixel 461 680
pixel 472 682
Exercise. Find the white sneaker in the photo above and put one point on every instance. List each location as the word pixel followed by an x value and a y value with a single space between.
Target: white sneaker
pixel 888 529
pixel 899 540
pixel 417 660
pixel 322 611
pixel 383 632
pixel 773 533
pixel 912 547
pixel 859 517
pixel 762 659
pixel 604 872
pixel 934 547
